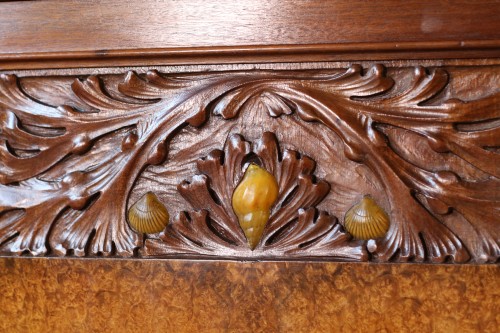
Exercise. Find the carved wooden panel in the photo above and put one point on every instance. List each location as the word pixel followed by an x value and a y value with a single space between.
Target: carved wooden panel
pixel 412 146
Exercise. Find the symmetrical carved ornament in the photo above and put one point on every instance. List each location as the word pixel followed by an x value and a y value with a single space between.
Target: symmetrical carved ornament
pixel 294 228
pixel 72 153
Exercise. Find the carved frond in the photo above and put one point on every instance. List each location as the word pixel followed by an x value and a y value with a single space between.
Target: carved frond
pixel 23 229
pixel 229 105
pixel 415 233
pixel 182 236
pixel 71 172
pixel 92 93
pixel 212 193
pixel 423 86
pixel 318 236
pixel 60 204
pixel 354 83
pixel 153 86
pixel 197 193
pixel 50 133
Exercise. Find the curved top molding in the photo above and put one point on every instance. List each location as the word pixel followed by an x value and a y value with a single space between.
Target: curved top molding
pixel 86 34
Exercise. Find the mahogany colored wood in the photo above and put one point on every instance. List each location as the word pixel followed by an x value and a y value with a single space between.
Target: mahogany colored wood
pixel 75 161
pixel 76 26
pixel 254 54
pixel 103 102
pixel 89 295
pixel 40 34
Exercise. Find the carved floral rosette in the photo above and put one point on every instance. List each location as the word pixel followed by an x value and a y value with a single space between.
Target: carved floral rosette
pixel 73 149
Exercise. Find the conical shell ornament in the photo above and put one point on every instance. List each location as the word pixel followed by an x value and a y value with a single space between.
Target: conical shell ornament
pixel 366 220
pixel 148 215
pixel 252 201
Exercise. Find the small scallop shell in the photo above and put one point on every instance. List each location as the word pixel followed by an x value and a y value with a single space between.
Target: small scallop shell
pixel 366 220
pixel 148 215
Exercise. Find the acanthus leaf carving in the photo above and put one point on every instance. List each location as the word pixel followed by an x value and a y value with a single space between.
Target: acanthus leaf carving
pixel 293 228
pixel 416 235
pixel 87 206
pixel 66 173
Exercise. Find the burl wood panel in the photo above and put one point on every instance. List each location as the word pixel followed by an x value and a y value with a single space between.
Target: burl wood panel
pixel 57 295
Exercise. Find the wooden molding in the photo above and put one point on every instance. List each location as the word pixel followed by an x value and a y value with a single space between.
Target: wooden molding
pixel 38 35
pixel 253 54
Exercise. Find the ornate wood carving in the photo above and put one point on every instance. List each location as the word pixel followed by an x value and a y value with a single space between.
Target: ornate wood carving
pixel 76 153
pixel 295 227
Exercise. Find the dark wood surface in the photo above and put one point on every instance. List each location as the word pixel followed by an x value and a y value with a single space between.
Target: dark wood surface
pixel 49 26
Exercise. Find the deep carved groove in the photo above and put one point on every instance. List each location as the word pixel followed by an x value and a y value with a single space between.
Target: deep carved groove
pixel 282 232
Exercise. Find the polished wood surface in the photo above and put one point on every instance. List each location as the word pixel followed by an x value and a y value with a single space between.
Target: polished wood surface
pixel 96 295
pixel 414 142
pixel 81 33
pixel 49 26
pixel 402 95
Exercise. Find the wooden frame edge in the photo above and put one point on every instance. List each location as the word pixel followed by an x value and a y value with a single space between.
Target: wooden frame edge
pixel 253 54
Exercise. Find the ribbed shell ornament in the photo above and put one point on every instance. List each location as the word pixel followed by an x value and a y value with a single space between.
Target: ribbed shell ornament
pixel 148 215
pixel 366 220
pixel 252 201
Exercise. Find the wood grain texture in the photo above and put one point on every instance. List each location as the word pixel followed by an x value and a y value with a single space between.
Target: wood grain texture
pixel 56 295
pixel 423 142
pixel 41 34
pixel 27 26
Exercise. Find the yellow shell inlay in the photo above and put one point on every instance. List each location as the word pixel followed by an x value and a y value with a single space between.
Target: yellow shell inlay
pixel 148 215
pixel 252 201
pixel 366 220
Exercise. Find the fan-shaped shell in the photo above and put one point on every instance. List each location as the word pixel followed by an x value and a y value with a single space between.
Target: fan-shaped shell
pixel 252 201
pixel 366 220
pixel 148 215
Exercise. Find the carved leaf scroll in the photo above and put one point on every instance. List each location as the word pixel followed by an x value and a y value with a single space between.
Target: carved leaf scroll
pixel 66 173
pixel 70 171
pixel 340 102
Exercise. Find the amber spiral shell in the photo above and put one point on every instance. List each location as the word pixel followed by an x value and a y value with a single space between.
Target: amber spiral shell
pixel 252 201
pixel 366 220
pixel 148 215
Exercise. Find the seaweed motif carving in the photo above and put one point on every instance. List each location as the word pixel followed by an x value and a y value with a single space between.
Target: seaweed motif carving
pixel 295 227
pixel 66 171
